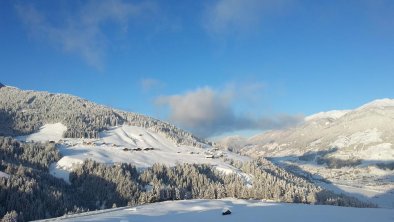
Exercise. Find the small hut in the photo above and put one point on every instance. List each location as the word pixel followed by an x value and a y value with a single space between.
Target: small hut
pixel 226 212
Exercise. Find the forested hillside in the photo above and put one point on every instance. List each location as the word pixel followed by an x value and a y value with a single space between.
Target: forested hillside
pixel 23 112
pixel 30 192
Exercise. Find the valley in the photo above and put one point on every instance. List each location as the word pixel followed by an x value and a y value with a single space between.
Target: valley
pixel 127 159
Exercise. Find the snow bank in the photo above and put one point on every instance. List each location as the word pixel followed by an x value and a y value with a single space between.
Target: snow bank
pixel 242 210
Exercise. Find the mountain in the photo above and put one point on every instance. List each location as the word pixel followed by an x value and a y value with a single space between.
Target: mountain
pixel 1 85
pixel 61 154
pixel 25 111
pixel 352 149
pixel 353 133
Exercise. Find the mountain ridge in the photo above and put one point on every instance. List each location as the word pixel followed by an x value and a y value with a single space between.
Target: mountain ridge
pixel 25 111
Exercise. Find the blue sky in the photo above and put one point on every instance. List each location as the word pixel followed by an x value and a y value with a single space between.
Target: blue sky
pixel 212 67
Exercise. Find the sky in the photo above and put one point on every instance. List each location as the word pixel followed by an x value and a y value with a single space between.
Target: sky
pixel 216 67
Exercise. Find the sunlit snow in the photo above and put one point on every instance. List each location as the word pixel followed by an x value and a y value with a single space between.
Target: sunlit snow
pixel 241 211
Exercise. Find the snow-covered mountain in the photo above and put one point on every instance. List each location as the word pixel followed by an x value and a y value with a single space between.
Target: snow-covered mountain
pixel 111 136
pixel 63 154
pixel 355 134
pixel 353 149
pixel 25 111
pixel 334 114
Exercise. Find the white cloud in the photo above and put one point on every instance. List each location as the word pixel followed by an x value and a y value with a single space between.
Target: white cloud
pixel 80 32
pixel 148 84
pixel 235 16
pixel 207 112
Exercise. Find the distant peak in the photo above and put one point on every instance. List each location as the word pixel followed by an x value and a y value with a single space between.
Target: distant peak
pixel 1 85
pixel 334 114
pixel 379 103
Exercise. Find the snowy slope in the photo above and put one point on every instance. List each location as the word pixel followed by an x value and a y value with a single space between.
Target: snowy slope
pixel 48 132
pixel 130 144
pixel 242 210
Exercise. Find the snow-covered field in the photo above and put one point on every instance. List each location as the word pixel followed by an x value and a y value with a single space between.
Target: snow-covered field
pixel 48 132
pixel 129 144
pixel 242 211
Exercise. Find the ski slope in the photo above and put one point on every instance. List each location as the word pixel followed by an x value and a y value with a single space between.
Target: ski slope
pixel 130 144
pixel 242 210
